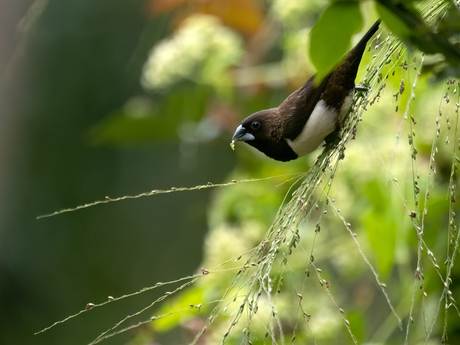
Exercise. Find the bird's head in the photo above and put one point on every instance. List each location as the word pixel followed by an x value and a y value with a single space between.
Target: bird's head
pixel 264 131
pixel 255 129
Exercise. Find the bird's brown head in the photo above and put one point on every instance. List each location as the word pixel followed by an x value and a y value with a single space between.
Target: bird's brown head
pixel 264 131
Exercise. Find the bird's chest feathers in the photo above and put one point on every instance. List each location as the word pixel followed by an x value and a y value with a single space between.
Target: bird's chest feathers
pixel 322 121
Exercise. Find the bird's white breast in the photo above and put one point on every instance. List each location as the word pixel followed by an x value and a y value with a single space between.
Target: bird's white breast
pixel 322 122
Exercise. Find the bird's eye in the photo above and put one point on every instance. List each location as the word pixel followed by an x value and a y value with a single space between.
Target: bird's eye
pixel 255 125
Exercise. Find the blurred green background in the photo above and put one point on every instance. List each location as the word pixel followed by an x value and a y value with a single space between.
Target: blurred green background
pixel 113 98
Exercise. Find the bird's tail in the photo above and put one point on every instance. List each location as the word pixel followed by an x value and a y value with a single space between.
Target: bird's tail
pixel 358 51
pixel 367 36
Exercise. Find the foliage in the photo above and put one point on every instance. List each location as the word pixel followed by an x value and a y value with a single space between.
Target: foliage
pixel 353 253
pixel 339 22
pixel 404 20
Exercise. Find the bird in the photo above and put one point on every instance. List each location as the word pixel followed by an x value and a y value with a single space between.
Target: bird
pixel 309 115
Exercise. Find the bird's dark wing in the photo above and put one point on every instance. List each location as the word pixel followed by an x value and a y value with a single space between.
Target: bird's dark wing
pixel 299 106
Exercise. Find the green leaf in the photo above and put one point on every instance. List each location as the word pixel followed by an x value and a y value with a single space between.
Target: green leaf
pixel 330 37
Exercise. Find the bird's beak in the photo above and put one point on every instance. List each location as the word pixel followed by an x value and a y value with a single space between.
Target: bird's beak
pixel 242 134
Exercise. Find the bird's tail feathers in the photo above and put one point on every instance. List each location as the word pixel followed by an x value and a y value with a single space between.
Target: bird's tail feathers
pixel 355 55
pixel 368 35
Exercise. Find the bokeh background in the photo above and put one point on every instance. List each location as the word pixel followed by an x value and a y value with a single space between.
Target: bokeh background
pixel 113 98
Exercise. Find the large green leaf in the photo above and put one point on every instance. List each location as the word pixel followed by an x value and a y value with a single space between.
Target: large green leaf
pixel 330 37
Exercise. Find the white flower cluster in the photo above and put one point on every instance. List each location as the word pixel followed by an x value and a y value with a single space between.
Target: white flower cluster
pixel 202 49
